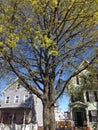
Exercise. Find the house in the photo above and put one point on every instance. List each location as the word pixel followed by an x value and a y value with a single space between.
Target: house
pixel 20 109
pixel 84 99
pixel 59 115
pixel 67 114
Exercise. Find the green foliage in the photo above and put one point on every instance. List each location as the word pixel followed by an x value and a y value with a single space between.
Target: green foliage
pixel 43 41
pixel 87 81
pixel 41 36
pixel 42 21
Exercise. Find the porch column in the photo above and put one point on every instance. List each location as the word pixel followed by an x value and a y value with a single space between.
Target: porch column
pixel 87 116
pixel 12 121
pixel 71 115
pixel 2 117
pixel 2 125
pixel 24 119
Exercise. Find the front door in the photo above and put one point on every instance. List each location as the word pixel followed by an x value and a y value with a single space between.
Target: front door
pixel 79 118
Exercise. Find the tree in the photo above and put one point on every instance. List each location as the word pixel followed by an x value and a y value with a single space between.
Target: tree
pixel 86 80
pixel 42 42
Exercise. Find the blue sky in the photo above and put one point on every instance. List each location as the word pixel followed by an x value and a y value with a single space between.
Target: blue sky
pixel 63 102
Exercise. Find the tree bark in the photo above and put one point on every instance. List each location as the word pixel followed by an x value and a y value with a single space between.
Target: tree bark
pixel 52 118
pixel 48 117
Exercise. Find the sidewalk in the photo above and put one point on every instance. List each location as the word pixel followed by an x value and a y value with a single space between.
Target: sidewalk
pixel 70 128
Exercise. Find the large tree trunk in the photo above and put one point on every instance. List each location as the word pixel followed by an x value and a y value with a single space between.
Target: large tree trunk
pixel 52 118
pixel 48 117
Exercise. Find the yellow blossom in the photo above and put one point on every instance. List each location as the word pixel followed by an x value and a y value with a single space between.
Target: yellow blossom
pixel 1 29
pixel 1 43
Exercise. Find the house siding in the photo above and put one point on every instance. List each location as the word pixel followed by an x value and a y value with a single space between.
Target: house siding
pixel 89 98
pixel 21 92
pixel 92 105
pixel 28 103
pixel 39 110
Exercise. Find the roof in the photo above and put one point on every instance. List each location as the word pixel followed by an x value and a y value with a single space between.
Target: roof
pixel 15 108
pixel 16 80
pixel 78 104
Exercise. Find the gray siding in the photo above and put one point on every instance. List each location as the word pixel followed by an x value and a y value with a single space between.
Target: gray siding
pixel 29 102
pixel 39 110
pixel 12 92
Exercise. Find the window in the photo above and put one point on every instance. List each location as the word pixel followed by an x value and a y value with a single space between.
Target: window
pixel 91 96
pixel 87 96
pixel 18 86
pixel 77 80
pixel 7 100
pixel 96 95
pixel 26 97
pixel 16 99
pixel 93 116
pixel 97 76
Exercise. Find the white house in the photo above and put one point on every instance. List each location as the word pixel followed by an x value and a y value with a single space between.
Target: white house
pixel 84 104
pixel 59 115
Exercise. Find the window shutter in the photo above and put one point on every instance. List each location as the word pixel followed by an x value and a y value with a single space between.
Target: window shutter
pixel 97 76
pixel 87 96
pixel 77 79
pixel 90 116
pixel 96 97
pixel 97 115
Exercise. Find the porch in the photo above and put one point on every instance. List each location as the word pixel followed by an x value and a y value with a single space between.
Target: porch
pixel 75 128
pixel 78 114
